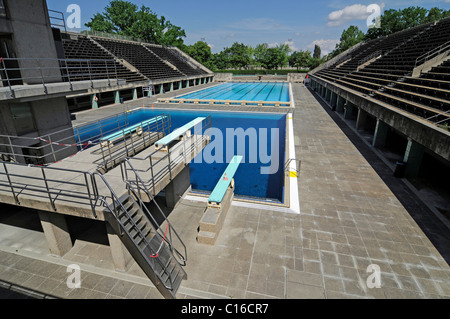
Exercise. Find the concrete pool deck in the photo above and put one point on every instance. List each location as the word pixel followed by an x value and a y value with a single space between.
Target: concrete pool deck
pixel 353 214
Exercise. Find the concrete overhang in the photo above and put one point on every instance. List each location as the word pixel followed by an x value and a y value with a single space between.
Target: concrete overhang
pixel 423 132
pixel 26 93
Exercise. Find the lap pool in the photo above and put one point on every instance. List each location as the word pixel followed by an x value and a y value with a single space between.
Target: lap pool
pixel 235 93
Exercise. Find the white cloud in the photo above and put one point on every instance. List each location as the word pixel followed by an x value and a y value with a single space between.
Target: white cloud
pixel 353 12
pixel 325 45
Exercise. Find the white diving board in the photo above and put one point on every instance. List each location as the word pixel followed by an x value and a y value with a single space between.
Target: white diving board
pixel 132 129
pixel 162 143
pixel 222 186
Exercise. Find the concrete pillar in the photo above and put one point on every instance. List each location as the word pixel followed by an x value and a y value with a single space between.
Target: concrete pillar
pixel 56 232
pixel 171 87
pixel 413 158
pixel 188 83
pixel 135 96
pixel 348 109
pixel 177 187
pixel 380 136
pixel 117 97
pixel 180 85
pixel 149 92
pixel 333 102
pixel 361 120
pixel 328 95
pixel 120 255
pixel 340 104
pixel 94 101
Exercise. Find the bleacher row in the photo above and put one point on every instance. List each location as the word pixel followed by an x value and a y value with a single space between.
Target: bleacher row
pixel 134 62
pixel 383 68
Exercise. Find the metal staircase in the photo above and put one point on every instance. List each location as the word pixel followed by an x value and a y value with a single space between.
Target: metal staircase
pixel 148 239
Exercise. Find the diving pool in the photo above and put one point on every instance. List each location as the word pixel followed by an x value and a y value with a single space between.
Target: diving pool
pixel 264 134
pixel 248 91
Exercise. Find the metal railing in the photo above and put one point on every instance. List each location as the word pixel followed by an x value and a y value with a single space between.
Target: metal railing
pixel 52 147
pixel 43 71
pixel 46 182
pixel 113 36
pixel 128 146
pixel 57 19
pixel 115 205
pixel 166 163
pixel 433 53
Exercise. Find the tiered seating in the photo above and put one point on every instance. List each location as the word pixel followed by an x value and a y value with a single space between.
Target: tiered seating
pixel 142 59
pixel 389 78
pixel 168 55
pixel 81 47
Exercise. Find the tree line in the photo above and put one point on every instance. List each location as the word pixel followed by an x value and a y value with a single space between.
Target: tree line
pixel 127 19
pixel 241 56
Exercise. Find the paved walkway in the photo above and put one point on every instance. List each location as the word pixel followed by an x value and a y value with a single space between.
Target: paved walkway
pixel 349 219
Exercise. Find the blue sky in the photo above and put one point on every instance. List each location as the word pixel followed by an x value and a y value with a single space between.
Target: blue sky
pixel 220 23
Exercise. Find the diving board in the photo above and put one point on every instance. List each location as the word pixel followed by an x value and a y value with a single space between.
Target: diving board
pixel 177 134
pixel 222 186
pixel 137 127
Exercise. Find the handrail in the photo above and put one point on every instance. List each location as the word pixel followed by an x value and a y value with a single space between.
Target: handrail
pixel 55 71
pixel 46 188
pixel 58 18
pixel 431 54
pixel 139 184
pixel 117 204
pixel 109 155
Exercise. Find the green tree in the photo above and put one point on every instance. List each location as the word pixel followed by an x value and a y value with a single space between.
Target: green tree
pixel 393 21
pixel 238 55
pixel 317 52
pixel 200 51
pixel 125 18
pixel 221 61
pixel 273 58
pixel 259 53
pixel 300 59
pixel 350 37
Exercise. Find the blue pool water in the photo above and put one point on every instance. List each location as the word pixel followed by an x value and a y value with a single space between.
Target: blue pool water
pixel 248 179
pixel 259 91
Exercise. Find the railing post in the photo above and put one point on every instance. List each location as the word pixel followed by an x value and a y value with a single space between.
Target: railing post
pixel 10 184
pixel 153 176
pixel 89 194
pixel 48 189
pixel 7 78
pixel 51 146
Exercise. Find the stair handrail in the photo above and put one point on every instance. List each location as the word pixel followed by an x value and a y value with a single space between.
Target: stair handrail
pixel 431 54
pixel 117 203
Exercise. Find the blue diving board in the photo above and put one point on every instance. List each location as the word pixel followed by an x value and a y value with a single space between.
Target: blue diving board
pixel 133 128
pixel 222 186
pixel 177 133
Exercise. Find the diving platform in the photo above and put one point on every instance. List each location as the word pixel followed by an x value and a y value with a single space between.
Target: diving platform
pixel 219 203
pixel 164 143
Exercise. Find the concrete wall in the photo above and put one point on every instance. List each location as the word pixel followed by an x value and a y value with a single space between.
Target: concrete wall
pixel 296 77
pixel 223 77
pixel 33 37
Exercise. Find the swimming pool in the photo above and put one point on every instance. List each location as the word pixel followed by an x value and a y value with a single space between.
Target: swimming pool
pixel 237 93
pixel 262 134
